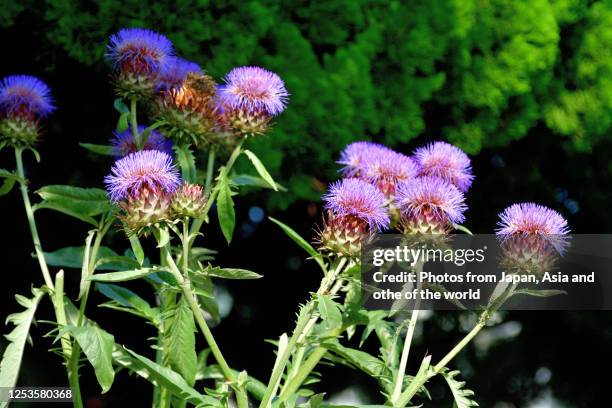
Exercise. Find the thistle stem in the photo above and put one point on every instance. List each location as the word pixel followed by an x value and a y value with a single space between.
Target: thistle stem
pixel 303 322
pixel 30 215
pixel 210 167
pixel 399 380
pixel 406 397
pixel 241 396
pixel 134 122
pixel 57 295
pixel 484 317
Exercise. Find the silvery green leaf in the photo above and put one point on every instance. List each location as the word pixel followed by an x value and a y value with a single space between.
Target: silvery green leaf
pixel 261 169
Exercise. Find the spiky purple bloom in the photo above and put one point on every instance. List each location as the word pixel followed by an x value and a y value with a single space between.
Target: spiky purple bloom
pixel 429 205
pixel 25 96
pixel 387 169
pixel 174 72
pixel 149 170
pixel 356 155
pixel 254 90
pixel 356 198
pixel 531 218
pixel 123 142
pixel 440 159
pixel 139 51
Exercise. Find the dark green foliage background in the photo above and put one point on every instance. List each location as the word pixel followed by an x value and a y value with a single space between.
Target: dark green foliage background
pixel 477 73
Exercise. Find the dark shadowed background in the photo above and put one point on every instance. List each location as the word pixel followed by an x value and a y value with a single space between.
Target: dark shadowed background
pixel 523 87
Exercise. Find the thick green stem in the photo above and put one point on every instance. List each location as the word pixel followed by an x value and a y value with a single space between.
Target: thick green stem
pixel 303 322
pixel 399 379
pixel 30 214
pixel 134 122
pixel 407 396
pixel 56 294
pixel 68 352
pixel 455 350
pixel 241 395
pixel 210 168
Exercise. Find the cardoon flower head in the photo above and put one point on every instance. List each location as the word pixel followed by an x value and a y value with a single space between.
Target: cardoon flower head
pixel 356 155
pixel 531 218
pixel 174 72
pixel 24 100
pixel 387 169
pixel 250 98
pixel 189 200
pixel 446 161
pixel 190 110
pixel 137 56
pixel 123 142
pixel 429 205
pixel 532 236
pixel 355 210
pixel 149 170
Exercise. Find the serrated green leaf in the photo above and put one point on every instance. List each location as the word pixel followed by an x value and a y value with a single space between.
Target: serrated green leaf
pixel 105 150
pixel 123 276
pixel 462 396
pixel 329 311
pixel 97 345
pixel 186 161
pixel 356 358
pixel 230 273
pixel 181 342
pixel 7 186
pixel 225 210
pixel 81 203
pixel 261 169
pixel 11 359
pixel 72 257
pixel 254 181
pixel 127 298
pixel 302 243
pixel 161 377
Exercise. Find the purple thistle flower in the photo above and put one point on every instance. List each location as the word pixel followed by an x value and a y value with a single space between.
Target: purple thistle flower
pixel 25 96
pixel 446 161
pixel 254 90
pixel 355 156
pixel 123 143
pixel 357 198
pixel 174 72
pixel 143 170
pixel 387 169
pixel 139 51
pixel 430 198
pixel 531 218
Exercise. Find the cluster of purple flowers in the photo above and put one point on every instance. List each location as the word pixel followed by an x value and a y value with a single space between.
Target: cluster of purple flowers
pixel 419 194
pixel 146 185
pixel 196 109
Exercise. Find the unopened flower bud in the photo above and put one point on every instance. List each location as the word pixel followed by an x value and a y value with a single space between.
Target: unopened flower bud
pixel 189 200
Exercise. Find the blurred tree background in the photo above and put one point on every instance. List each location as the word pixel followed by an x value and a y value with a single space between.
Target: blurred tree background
pixel 525 87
